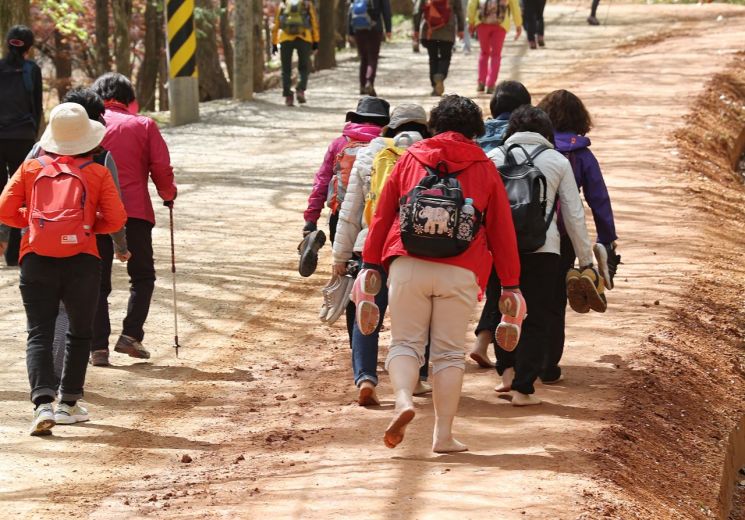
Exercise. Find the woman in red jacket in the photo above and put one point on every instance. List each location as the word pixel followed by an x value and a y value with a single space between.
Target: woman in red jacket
pixel 433 298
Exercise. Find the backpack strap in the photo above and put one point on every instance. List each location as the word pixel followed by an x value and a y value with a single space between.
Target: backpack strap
pixel 28 66
pixel 538 151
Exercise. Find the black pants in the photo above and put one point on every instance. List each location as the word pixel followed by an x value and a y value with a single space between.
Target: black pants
pixel 594 10
pixel 538 284
pixel 141 269
pixel 368 48
pixel 533 18
pixel 102 323
pixel 12 154
pixel 555 344
pixel 303 65
pixel 45 282
pixel 440 53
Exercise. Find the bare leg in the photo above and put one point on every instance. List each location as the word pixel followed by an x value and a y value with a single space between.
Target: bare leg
pixel 404 372
pixel 478 353
pixel 446 394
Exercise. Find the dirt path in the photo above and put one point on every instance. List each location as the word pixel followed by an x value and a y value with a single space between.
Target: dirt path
pixel 261 397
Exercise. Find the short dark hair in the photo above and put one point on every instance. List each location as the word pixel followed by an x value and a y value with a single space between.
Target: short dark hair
pixel 567 112
pixel 89 100
pixel 114 86
pixel 456 113
pixel 530 119
pixel 508 96
pixel 408 127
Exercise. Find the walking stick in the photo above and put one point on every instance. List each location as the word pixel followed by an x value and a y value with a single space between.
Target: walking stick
pixel 176 346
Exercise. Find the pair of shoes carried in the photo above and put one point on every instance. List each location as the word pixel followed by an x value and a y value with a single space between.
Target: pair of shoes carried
pixel 300 94
pixel 541 41
pixel 130 346
pixel 585 290
pixel 335 298
pixel 514 310
pixel 366 287
pixel 608 261
pixel 308 251
pixel 592 20
pixel 99 358
pixel 439 86
pixel 290 100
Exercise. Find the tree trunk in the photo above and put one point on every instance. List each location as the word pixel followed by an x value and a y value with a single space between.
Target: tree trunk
pixel 123 46
pixel 340 30
pixel 163 79
pixel 12 12
pixel 62 64
pixel 225 40
pixel 258 45
pixel 242 63
pixel 326 48
pixel 147 78
pixel 212 82
pixel 103 55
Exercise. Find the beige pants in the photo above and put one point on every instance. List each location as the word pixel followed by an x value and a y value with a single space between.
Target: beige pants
pixel 430 302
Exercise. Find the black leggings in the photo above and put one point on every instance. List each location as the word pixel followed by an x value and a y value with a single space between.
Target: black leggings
pixel 533 18
pixel 440 54
pixel 12 154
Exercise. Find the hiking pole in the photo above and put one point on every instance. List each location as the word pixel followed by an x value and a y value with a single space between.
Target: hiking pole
pixel 176 346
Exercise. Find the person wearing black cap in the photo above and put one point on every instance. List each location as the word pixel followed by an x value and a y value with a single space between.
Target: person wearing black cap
pixel 20 117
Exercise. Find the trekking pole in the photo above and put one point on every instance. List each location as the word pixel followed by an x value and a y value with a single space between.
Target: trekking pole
pixel 176 346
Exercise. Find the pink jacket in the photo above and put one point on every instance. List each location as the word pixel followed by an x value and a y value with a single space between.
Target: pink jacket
pixel 364 132
pixel 138 150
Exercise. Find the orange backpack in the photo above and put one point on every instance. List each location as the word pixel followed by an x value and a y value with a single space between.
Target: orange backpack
pixel 437 15
pixel 56 211
pixel 342 169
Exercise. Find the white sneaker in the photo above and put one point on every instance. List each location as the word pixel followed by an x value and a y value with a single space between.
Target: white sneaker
pixel 519 399
pixel 67 414
pixel 339 298
pixel 326 292
pixel 43 420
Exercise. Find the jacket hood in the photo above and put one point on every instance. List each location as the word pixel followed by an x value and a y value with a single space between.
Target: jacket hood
pixel 406 139
pixel 364 132
pixel 453 149
pixel 527 138
pixel 568 142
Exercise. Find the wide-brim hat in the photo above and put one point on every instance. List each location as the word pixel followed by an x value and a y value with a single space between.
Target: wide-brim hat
pixel 406 113
pixel 71 132
pixel 370 107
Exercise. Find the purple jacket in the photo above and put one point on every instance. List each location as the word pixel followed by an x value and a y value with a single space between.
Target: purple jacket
pixel 590 181
pixel 364 132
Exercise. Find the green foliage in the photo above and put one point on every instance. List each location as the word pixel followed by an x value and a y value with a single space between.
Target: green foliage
pixel 67 16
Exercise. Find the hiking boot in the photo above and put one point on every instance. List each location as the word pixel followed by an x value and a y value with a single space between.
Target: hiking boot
pixel 290 100
pixel 308 251
pixel 592 20
pixel 339 298
pixel 593 286
pixel 575 293
pixel 370 89
pixel 513 309
pixel 131 347
pixel 439 87
pixel 608 262
pixel 300 97
pixel 490 90
pixel 541 41
pixel 99 358
pixel 480 87
pixel 67 414
pixel 532 44
pixel 415 48
pixel 43 420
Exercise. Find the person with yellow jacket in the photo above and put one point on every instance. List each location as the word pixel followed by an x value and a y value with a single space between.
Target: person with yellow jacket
pixel 295 28
pixel 491 20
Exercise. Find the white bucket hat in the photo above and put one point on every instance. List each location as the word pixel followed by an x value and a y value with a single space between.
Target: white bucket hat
pixel 70 131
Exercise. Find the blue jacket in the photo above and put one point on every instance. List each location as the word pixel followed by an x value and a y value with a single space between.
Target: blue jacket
pixel 495 130
pixel 590 181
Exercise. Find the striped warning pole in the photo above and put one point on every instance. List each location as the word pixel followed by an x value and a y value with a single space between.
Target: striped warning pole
pixel 183 85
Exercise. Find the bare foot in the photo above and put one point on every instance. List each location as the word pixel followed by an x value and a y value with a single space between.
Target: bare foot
pixel 367 395
pixel 507 377
pixel 519 399
pixel 502 388
pixel 448 446
pixel 394 434
pixel 422 387
pixel 481 359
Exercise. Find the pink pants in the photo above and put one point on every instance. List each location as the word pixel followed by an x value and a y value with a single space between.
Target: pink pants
pixel 491 39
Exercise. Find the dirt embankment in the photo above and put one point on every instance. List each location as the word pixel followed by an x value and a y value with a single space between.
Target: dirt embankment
pixel 669 448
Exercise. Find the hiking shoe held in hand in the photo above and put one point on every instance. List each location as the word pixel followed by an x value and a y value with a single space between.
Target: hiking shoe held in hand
pixel 99 358
pixel 67 414
pixel 131 347
pixel 308 251
pixel 326 292
pixel 339 298
pixel 513 308
pixel 576 293
pixel 593 287
pixel 608 261
pixel 43 420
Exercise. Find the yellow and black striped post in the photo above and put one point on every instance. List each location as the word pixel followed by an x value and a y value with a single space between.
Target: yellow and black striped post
pixel 183 85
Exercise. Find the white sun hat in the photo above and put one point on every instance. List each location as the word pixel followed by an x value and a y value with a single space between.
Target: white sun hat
pixel 70 131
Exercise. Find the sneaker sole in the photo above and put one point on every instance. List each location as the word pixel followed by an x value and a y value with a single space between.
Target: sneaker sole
pixel 71 419
pixel 576 296
pixel 508 336
pixel 372 283
pixel 594 300
pixel 132 352
pixel 368 316
pixel 309 254
pixel 43 427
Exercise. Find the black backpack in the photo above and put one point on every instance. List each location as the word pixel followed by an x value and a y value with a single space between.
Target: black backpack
pixel 16 94
pixel 527 191
pixel 436 220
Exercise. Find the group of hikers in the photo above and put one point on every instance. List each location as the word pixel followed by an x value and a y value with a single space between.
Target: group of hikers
pixel 428 214
pixel 436 25
pixel 74 200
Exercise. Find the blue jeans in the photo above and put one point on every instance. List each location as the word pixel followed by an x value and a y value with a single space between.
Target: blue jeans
pixel 365 348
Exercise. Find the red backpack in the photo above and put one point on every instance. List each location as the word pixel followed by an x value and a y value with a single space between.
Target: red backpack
pixel 56 212
pixel 437 15
pixel 342 169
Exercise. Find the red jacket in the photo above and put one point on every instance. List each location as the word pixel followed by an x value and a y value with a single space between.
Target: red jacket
pixel 480 181
pixel 138 150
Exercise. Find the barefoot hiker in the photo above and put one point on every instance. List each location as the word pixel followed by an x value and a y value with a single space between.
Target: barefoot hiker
pixel 59 258
pixel 438 258
pixel 139 151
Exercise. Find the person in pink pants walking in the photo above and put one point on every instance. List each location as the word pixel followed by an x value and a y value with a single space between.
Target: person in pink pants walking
pixel 491 20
